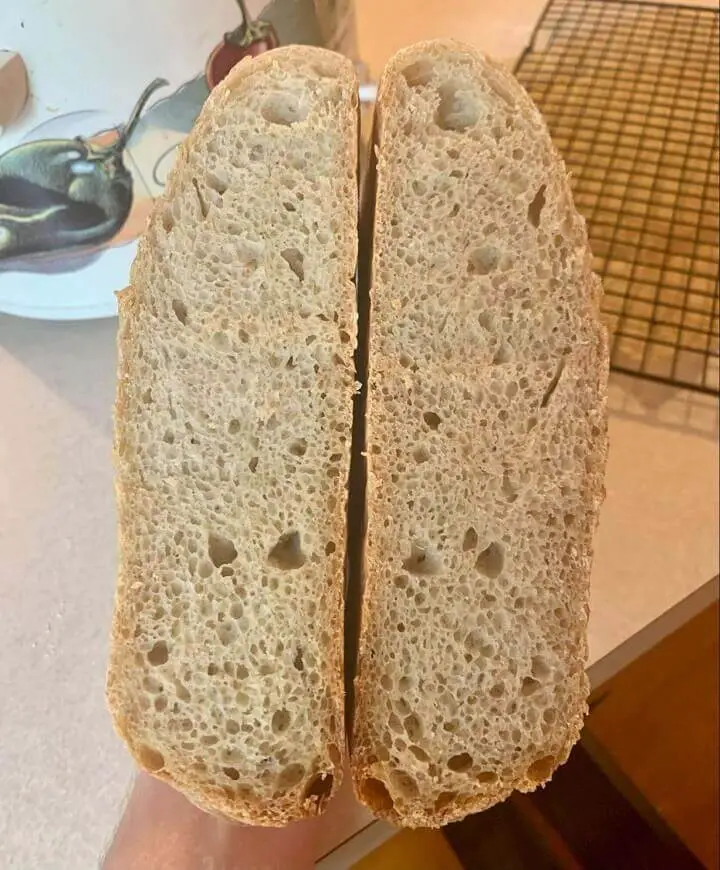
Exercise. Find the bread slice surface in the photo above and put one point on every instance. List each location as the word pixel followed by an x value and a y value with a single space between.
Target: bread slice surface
pixel 486 438
pixel 232 444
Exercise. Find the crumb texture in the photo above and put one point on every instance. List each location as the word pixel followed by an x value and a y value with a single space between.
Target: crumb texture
pixel 233 427
pixel 486 447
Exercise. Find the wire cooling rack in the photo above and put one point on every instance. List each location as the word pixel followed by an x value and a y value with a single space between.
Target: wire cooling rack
pixel 629 91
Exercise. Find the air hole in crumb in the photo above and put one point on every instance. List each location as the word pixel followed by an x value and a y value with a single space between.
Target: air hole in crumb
pixel 375 794
pixel 432 419
pixel 421 562
pixel 536 206
pixel 483 260
pixel 460 763
pixel 294 259
pixel 444 799
pixel 529 686
pixel 504 354
pixel 169 437
pixel 404 783
pixel 285 107
pixel 553 383
pixel 470 541
pixel 318 790
pixel 227 633
pixel 413 726
pixel 287 553
pixel 299 447
pixel 476 643
pixel 508 490
pixel 419 753
pixel 233 427
pixel 180 309
pixel 232 726
pixel 216 182
pixel 158 655
pixel 150 758
pixel 253 464
pixel 486 320
pixel 181 691
pixel 221 550
pixel 485 777
pixel 458 110
pixel 298 662
pixel 231 773
pixel 490 562
pixel 421 454
pixel 200 197
pixel 291 775
pixel 406 361
pixel 418 73
pixel 150 684
pixel 541 769
pixel 220 340
pixel 330 548
pixel 280 721
pixel 540 668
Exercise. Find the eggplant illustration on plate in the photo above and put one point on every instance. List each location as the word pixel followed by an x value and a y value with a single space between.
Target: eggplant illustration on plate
pixel 249 39
pixel 60 195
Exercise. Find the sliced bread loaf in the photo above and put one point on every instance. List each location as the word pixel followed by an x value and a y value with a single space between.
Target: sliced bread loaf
pixel 486 431
pixel 233 430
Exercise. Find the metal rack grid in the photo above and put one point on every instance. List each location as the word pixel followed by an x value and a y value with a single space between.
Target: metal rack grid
pixel 629 91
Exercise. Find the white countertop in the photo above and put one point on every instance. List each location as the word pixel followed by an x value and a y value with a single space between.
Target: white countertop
pixel 63 770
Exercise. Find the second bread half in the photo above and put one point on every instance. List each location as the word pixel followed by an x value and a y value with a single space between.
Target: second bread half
pixel 486 444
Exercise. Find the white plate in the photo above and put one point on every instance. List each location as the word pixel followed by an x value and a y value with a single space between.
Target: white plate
pixel 85 288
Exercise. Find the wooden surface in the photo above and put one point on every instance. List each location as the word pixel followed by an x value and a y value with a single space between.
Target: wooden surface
pixel 412 850
pixel 659 722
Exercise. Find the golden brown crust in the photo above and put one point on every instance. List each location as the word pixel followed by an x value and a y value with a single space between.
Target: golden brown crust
pixel 238 804
pixel 371 772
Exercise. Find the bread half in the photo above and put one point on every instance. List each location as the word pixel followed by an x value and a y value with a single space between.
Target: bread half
pixel 486 430
pixel 233 430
